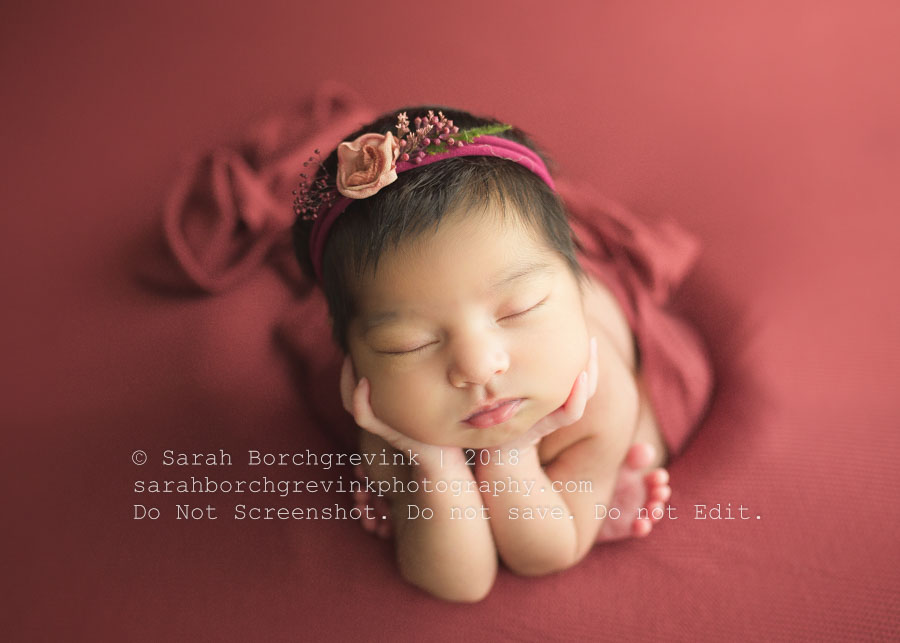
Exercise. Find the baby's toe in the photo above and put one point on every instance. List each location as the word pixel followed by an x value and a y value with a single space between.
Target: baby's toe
pixel 641 527
pixel 640 455
pixel 656 478
pixel 661 493
pixel 655 511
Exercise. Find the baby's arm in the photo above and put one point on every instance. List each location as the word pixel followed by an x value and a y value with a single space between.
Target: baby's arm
pixel 454 559
pixel 532 525
pixel 556 525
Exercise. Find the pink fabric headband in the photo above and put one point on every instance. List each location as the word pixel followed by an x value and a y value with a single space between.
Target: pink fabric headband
pixel 373 161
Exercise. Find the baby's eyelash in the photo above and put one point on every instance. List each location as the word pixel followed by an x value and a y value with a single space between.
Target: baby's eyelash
pixel 528 310
pixel 424 346
pixel 409 352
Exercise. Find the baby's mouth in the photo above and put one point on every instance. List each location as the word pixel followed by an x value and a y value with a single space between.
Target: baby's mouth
pixel 494 413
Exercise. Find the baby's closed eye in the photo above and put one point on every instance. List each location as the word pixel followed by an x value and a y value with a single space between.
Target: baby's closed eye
pixel 398 344
pixel 408 351
pixel 528 309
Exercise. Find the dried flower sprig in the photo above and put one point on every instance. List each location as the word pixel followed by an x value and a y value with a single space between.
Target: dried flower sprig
pixel 313 195
pixel 435 133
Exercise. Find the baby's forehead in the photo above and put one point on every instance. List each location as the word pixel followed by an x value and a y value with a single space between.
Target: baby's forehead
pixel 387 305
pixel 393 291
pixel 468 250
pixel 464 229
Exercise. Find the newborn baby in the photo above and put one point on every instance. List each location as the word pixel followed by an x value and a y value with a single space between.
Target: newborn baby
pixel 479 351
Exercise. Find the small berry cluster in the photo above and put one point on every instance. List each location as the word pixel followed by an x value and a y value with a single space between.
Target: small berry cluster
pixel 312 196
pixel 435 131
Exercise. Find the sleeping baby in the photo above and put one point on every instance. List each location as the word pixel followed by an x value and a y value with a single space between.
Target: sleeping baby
pixel 518 393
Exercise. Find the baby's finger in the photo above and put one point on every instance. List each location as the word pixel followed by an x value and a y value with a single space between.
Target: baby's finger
pixel 582 394
pixel 573 409
pixel 363 413
pixel 348 383
pixel 360 407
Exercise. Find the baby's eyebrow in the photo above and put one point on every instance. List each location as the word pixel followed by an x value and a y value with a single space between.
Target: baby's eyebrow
pixel 525 268
pixel 378 320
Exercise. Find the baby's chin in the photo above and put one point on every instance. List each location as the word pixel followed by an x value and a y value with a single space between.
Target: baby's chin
pixel 488 439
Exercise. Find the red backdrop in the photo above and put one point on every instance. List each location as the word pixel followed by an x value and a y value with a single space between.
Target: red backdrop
pixel 769 129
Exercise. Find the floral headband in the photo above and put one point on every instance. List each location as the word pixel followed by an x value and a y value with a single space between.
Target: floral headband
pixel 372 161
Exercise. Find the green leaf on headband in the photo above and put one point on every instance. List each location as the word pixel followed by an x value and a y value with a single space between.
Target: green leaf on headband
pixel 468 135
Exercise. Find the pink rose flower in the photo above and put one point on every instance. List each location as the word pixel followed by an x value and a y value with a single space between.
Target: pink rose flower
pixel 367 164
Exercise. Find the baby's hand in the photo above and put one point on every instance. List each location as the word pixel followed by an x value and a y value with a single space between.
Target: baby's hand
pixel 584 388
pixel 355 396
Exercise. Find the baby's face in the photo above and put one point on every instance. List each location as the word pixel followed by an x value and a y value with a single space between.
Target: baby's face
pixel 478 312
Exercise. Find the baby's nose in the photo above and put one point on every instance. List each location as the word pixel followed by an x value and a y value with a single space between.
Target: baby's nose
pixel 476 362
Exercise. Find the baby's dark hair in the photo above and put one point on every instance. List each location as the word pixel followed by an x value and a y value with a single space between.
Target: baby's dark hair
pixel 417 202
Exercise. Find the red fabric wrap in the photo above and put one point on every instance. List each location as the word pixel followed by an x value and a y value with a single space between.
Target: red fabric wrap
pixel 642 265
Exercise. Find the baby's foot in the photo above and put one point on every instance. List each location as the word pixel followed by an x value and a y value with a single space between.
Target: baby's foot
pixel 640 496
pixel 375 512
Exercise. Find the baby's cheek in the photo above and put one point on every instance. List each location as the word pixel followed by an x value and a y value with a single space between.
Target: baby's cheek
pixel 569 360
pixel 552 378
pixel 403 404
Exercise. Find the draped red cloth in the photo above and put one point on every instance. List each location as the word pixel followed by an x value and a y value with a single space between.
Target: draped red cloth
pixel 769 130
pixel 643 266
pixel 229 210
